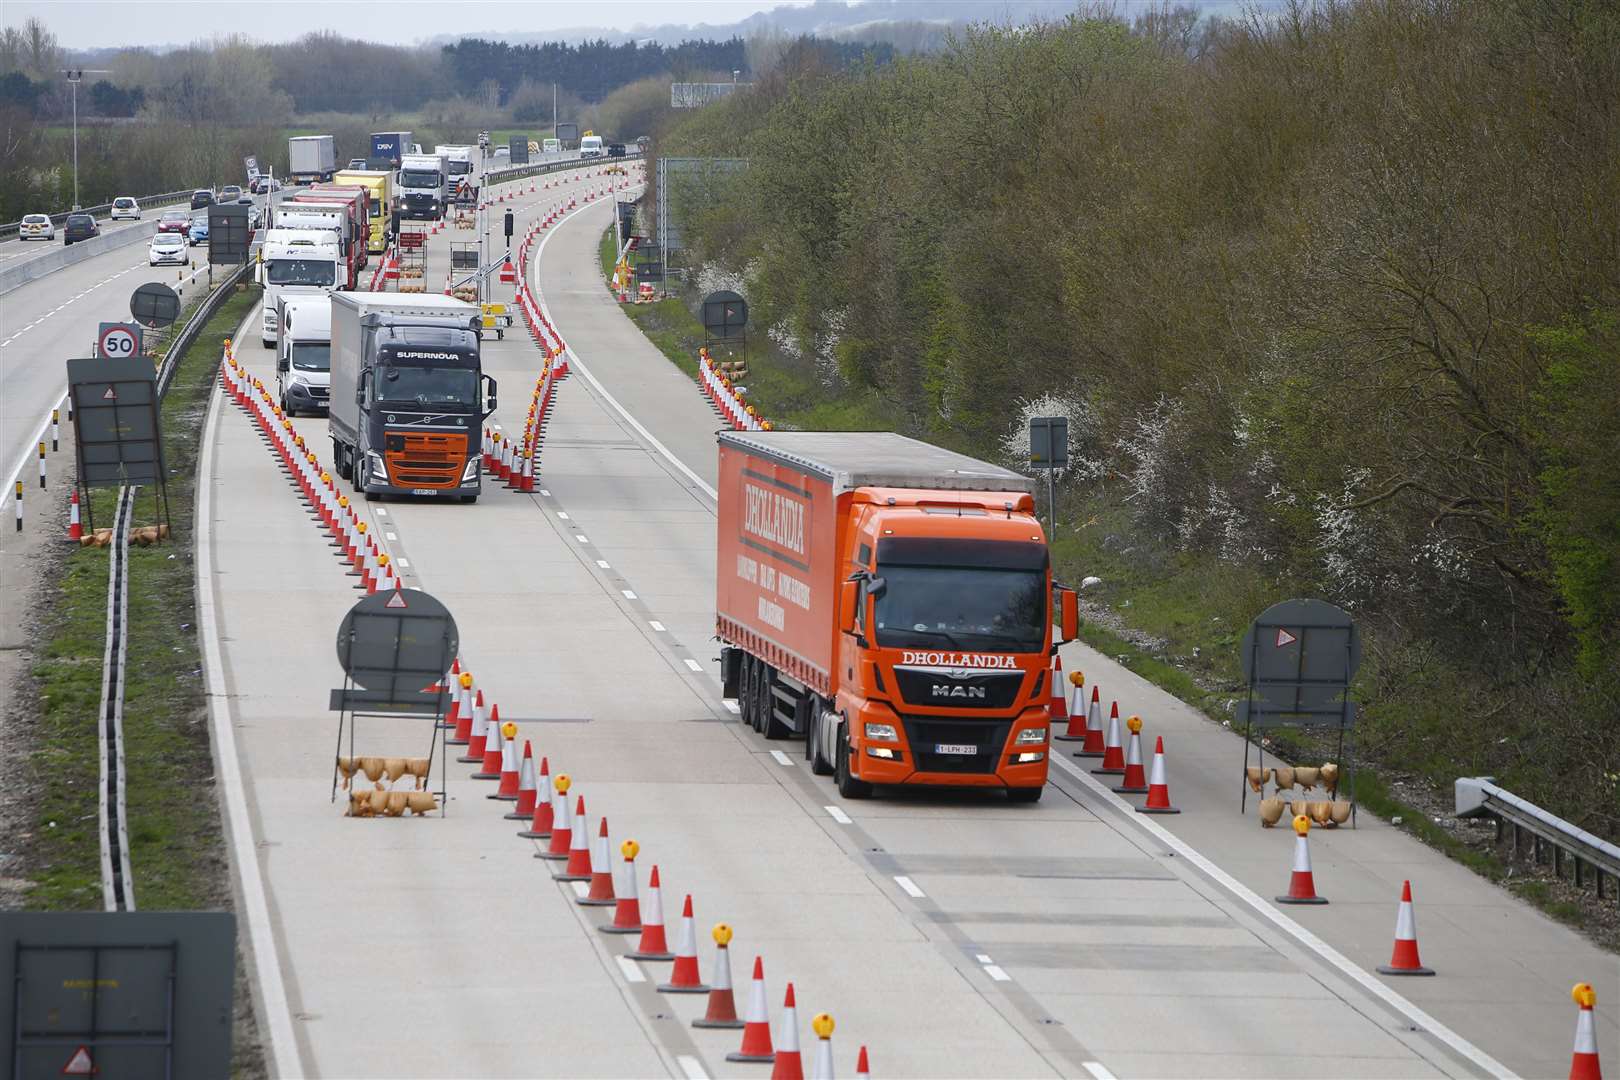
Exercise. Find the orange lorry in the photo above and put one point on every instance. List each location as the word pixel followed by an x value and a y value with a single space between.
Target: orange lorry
pixel 891 603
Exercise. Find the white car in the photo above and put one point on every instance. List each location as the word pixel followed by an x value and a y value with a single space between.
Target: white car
pixel 125 208
pixel 168 248
pixel 36 227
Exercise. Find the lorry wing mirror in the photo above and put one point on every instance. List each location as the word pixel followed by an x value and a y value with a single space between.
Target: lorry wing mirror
pixel 489 398
pixel 360 388
pixel 876 587
pixel 1069 605
pixel 848 595
pixel 282 364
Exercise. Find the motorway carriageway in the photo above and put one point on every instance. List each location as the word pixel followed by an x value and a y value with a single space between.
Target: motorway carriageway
pixel 956 935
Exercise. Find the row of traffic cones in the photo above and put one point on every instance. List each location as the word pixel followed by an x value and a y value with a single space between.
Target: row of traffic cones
pixel 727 398
pixel 1085 725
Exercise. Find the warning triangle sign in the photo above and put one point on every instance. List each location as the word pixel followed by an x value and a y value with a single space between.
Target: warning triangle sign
pixel 80 1064
pixel 1285 638
pixel 396 601
pixel 110 395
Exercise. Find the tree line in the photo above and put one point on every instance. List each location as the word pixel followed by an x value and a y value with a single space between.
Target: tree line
pixel 1331 299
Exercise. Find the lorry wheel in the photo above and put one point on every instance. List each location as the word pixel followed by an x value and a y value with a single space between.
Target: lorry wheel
pixel 756 699
pixel 1024 794
pixel 772 727
pixel 848 786
pixel 818 761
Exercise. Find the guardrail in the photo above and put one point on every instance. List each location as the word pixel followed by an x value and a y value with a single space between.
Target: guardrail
pixel 104 209
pixel 1479 796
pixel 518 172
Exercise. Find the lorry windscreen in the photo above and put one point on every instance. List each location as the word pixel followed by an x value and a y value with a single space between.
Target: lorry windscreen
pixel 963 594
pixel 311 356
pixel 300 272
pixel 428 387
pixel 460 168
pixel 418 178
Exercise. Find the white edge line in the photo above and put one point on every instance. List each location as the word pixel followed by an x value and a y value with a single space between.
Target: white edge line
pixel 691 1066
pixel 838 815
pixel 632 973
pixel 909 887
pixel 1346 966
pixel 732 705
pixel 781 758
pixel 30 451
pixel 1095 1068
pixel 275 1015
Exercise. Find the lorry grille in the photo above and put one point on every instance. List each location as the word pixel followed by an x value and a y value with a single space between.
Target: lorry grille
pixel 926 733
pixel 958 687
pixel 425 459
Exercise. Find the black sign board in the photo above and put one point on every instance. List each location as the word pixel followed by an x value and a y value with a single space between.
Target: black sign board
pixel 396 644
pixel 725 314
pixel 229 234
pixel 115 405
pixel 1049 442
pixel 649 271
pixel 568 133
pixel 129 993
pixel 519 149
pixel 154 304
pixel 627 219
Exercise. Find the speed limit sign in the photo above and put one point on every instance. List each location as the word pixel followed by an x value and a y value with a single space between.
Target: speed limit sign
pixel 118 340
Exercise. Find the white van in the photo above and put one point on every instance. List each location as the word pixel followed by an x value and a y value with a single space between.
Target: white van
pixel 551 147
pixel 304 355
pixel 591 146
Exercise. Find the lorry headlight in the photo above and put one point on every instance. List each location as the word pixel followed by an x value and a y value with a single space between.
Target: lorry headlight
pixel 1032 736
pixel 470 473
pixel 1028 759
pixel 882 752
pixel 379 471
pixel 883 732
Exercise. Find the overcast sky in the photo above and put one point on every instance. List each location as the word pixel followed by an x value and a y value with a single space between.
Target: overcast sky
pixel 88 24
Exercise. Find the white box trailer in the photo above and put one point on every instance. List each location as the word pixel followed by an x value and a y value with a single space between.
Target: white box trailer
pixel 311 159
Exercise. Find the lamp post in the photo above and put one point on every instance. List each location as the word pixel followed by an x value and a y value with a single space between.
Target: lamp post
pixel 73 76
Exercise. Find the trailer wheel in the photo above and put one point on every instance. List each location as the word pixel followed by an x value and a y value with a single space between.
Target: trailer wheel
pixel 773 728
pixel 848 786
pixel 818 760
pixel 756 697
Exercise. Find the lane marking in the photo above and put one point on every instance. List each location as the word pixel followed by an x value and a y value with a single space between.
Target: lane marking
pixel 404 564
pixel 546 493
pixel 656 625
pixel 1095 1068
pixel 632 973
pixel 995 972
pixel 781 758
pixel 581 889
pixel 731 703
pixel 581 538
pixel 562 515
pixel 983 958
pixel 628 595
pixel 693 664
pixel 603 563
pixel 1426 1023
pixel 381 512
pixel 391 536
pixel 838 815
pixel 909 886
pixel 691 1067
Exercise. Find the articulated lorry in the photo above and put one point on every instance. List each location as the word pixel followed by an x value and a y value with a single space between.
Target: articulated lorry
pixel 388 147
pixel 295 262
pixel 353 199
pixel 324 217
pixel 458 162
pixel 424 187
pixel 311 159
pixel 408 394
pixel 891 603
pixel 379 204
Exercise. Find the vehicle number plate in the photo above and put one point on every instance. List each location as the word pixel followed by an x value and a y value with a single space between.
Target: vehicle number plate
pixel 955 748
pixel 423 491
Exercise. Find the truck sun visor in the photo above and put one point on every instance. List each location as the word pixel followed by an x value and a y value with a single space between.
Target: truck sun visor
pixel 943 551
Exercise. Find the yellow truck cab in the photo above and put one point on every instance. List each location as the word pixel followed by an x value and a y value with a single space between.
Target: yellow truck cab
pixel 380 201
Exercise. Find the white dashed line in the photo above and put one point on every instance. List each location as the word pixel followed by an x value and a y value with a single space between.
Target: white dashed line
pixel 996 973
pixel 404 564
pixel 581 889
pixel 781 758
pixel 603 563
pixel 632 973
pixel 656 625
pixel 581 538
pixel 391 536
pixel 983 958
pixel 628 595
pixel 838 815
pixel 1095 1068
pixel 381 512
pixel 691 1067
pixel 693 664
pixel 562 515
pixel 909 886
pixel 546 493
pixel 733 706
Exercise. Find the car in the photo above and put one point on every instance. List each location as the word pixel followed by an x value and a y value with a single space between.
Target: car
pixel 125 208
pixel 178 221
pixel 201 199
pixel 79 227
pixel 358 163
pixel 230 193
pixel 254 217
pixel 168 248
pixel 264 184
pixel 198 233
pixel 36 227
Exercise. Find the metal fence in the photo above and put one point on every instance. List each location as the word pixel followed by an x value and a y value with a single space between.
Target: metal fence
pixel 101 210
pixel 1589 856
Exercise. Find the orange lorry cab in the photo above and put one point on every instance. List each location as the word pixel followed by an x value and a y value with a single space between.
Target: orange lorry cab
pixel 891 603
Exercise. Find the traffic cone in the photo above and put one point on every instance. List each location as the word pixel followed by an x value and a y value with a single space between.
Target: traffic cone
pixel 1302 885
pixel 1094 729
pixel 1076 729
pixel 1135 783
pixel 652 945
pixel 788 1063
pixel 562 822
pixel 685 978
pixel 822 1068
pixel 578 866
pixel 75 529
pixel 508 791
pixel 722 1010
pixel 600 894
pixel 477 732
pixel 1057 706
pixel 756 1040
pixel 627 911
pixel 863 1071
pixel 1404 960
pixel 494 742
pixel 540 825
pixel 463 710
pixel 528 785
pixel 1584 1064
pixel 1158 800
pixel 1113 758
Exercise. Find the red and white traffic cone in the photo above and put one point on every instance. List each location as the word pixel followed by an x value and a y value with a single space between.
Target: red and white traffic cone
pixel 756 1040
pixel 653 945
pixel 75 529
pixel 494 741
pixel 528 787
pixel 1094 729
pixel 1076 729
pixel 863 1070
pixel 788 1063
pixel 627 912
pixel 477 732
pixel 1057 706
pixel 1301 884
pixel 1135 781
pixel 1584 1064
pixel 540 825
pixel 578 866
pixel 822 1067
pixel 449 682
pixel 685 977
pixel 1113 759
pixel 1404 960
pixel 600 894
pixel 508 791
pixel 1158 800
pixel 562 822
pixel 722 1009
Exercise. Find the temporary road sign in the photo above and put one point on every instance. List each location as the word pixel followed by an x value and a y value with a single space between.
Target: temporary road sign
pixel 118 340
pixel 80 1064
pixel 1284 638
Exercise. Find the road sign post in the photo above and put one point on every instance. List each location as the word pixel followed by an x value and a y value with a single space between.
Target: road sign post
pixel 1049 450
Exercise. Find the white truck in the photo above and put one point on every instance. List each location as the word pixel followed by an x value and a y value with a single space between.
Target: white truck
pixel 323 217
pixel 311 159
pixel 591 147
pixel 458 162
pixel 424 187
pixel 304 355
pixel 551 148
pixel 294 262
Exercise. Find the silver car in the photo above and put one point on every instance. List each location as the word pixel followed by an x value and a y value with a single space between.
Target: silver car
pixel 36 227
pixel 168 249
